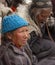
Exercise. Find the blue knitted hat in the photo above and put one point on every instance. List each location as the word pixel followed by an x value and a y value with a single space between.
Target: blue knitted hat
pixel 42 3
pixel 12 22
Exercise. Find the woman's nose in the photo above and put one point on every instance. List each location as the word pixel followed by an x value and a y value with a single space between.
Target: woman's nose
pixel 26 35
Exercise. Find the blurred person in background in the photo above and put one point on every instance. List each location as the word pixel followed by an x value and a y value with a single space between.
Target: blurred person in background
pixel 43 47
pixel 41 12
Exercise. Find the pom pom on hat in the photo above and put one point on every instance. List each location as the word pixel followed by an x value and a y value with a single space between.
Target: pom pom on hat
pixel 12 22
pixel 42 3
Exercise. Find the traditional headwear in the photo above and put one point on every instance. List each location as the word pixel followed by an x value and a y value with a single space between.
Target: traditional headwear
pixel 12 22
pixel 42 3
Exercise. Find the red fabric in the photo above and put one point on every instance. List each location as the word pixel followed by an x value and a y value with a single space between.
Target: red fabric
pixel 13 8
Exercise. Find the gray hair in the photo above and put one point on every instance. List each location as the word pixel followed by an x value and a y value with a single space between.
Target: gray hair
pixel 38 10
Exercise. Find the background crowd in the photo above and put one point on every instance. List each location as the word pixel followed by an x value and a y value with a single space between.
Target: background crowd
pixel 27 32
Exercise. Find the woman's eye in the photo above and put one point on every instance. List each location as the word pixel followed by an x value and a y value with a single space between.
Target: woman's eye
pixel 21 31
pixel 27 30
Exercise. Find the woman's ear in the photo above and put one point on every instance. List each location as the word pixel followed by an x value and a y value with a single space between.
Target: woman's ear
pixel 9 35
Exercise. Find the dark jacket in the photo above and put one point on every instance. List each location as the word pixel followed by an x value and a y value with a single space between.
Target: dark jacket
pixel 45 32
pixel 16 56
pixel 42 48
pixel 47 61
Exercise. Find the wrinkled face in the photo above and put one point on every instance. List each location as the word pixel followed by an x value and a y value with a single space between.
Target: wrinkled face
pixel 20 36
pixel 40 14
pixel 43 15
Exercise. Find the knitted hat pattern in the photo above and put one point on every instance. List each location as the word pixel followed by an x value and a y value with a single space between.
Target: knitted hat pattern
pixel 12 22
pixel 42 3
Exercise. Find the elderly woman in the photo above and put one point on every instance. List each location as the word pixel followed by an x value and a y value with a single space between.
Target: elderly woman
pixel 41 12
pixel 42 47
pixel 14 37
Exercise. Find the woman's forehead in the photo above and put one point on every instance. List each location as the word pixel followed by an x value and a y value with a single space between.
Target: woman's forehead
pixel 45 11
